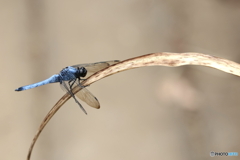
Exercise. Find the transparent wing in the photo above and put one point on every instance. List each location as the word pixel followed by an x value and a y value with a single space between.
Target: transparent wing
pixel 65 87
pixel 84 95
pixel 88 97
pixel 95 67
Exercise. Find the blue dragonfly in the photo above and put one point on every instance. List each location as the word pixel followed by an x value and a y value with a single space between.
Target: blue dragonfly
pixel 72 75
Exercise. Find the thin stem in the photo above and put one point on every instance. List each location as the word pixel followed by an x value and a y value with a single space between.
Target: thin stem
pixel 154 59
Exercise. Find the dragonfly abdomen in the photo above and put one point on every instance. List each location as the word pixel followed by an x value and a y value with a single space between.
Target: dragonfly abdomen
pixel 53 79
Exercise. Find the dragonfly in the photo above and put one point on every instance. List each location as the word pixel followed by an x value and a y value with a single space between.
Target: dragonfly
pixel 71 76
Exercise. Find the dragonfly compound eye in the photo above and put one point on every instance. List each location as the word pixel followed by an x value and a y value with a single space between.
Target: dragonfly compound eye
pixel 83 72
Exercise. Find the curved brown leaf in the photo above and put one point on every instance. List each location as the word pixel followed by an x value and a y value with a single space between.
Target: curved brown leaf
pixel 154 59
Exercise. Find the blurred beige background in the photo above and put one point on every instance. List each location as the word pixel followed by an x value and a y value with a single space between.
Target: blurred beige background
pixel 148 113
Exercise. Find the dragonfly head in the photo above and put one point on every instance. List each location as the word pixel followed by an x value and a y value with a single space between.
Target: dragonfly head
pixel 82 72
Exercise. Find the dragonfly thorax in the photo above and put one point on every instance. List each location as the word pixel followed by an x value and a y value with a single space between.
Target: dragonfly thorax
pixel 71 73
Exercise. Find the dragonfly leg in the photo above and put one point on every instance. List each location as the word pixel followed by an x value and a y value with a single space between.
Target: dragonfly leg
pixel 71 93
pixel 71 82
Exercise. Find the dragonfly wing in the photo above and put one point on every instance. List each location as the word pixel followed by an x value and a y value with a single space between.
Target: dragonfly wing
pixel 84 95
pixel 88 97
pixel 95 67
pixel 66 88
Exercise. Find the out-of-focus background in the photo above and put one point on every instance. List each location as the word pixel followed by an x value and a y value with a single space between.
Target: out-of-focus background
pixel 154 113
